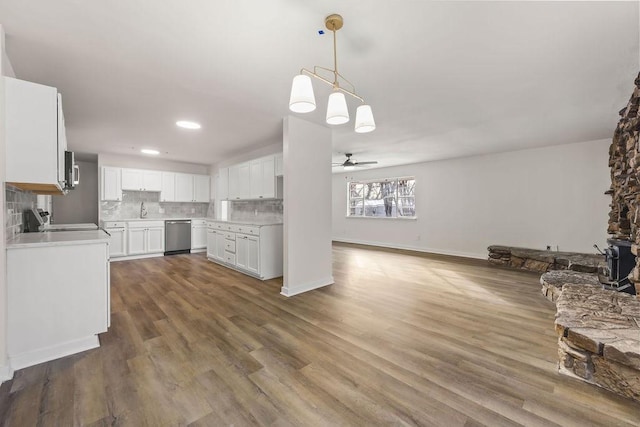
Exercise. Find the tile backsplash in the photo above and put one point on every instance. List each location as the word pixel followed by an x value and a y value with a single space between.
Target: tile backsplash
pixel 263 210
pixel 131 203
pixel 17 202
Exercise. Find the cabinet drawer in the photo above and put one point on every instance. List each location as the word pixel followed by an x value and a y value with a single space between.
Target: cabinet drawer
pixel 230 246
pixel 145 224
pixel 113 224
pixel 230 258
pixel 246 229
pixel 230 236
pixel 198 222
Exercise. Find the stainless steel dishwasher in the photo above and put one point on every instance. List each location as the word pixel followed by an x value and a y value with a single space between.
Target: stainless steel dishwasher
pixel 177 236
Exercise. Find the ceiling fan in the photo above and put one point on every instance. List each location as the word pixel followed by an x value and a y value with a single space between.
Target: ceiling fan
pixel 352 163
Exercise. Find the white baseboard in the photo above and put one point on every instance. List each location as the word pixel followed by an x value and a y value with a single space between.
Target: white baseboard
pixel 289 291
pixel 46 354
pixel 6 373
pixel 130 257
pixel 410 248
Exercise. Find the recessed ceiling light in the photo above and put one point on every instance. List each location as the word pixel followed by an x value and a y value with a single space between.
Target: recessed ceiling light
pixel 188 125
pixel 148 151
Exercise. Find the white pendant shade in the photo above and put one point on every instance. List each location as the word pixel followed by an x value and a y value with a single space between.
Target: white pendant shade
pixel 364 119
pixel 302 99
pixel 337 112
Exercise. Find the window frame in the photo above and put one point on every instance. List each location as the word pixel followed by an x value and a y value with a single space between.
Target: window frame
pixel 396 197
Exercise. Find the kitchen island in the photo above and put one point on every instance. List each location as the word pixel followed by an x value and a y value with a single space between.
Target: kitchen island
pixel 58 293
pixel 250 247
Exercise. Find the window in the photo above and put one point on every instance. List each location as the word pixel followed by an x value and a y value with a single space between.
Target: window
pixel 386 198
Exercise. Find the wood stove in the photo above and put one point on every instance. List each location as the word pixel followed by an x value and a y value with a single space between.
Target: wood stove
pixel 620 263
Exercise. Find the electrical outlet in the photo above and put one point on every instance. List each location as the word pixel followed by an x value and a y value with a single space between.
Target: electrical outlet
pixel 548 247
pixel 255 212
pixel 161 210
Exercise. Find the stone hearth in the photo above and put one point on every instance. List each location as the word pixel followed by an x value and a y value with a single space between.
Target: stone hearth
pixel 553 282
pixel 542 261
pixel 599 337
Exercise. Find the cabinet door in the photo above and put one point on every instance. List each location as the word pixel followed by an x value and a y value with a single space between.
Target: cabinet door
pixel 184 187
pixel 136 240
pixel 201 190
pixel 234 182
pixel 198 236
pixel 244 181
pixel 279 165
pixel 111 184
pixel 30 123
pixel 253 254
pixel 211 243
pixel 223 184
pixel 117 242
pixel 255 179
pixel 242 251
pixel 155 239
pixel 168 190
pixel 268 178
pixel 132 179
pixel 220 244
pixel 62 141
pixel 152 180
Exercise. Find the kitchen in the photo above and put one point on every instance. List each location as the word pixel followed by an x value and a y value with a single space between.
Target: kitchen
pixel 142 213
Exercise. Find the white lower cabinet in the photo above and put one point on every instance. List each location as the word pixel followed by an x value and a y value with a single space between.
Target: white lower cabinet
pixel 59 307
pixel 198 234
pixel 117 242
pixel 249 248
pixel 248 253
pixel 145 237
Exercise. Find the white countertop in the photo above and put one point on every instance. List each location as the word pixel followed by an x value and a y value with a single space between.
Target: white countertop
pixel 256 222
pixel 57 238
pixel 149 219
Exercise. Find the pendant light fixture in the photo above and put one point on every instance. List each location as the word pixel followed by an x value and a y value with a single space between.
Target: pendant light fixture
pixel 302 99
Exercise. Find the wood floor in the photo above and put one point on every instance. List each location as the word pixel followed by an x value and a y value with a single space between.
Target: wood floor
pixel 399 339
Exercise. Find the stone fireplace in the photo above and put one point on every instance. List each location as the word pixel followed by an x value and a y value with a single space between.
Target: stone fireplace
pixel 624 160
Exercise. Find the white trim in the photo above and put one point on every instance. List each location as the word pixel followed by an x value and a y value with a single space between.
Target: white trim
pixel 198 250
pixel 6 373
pixel 289 291
pixel 57 351
pixel 130 257
pixel 411 248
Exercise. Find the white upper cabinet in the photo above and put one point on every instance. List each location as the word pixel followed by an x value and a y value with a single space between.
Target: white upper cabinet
pixel 35 143
pixel 223 184
pixel 141 180
pixel 201 188
pixel 263 178
pixel 251 180
pixel 184 187
pixel 279 165
pixel 111 188
pixel 240 181
pixel 168 191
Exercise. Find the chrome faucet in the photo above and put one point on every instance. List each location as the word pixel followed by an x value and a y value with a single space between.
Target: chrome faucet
pixel 143 210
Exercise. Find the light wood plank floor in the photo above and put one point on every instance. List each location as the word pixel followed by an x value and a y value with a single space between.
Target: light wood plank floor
pixel 400 339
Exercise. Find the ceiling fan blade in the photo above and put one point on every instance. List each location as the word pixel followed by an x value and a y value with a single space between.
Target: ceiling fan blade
pixel 365 163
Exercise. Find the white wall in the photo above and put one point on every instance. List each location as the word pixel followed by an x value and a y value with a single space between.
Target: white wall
pixel 80 205
pixel 5 70
pixel 307 206
pixel 153 163
pixel 530 198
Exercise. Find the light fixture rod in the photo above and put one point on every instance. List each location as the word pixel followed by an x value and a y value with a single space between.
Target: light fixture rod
pixel 330 83
pixel 335 60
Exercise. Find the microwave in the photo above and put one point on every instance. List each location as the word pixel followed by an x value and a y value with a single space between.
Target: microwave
pixel 71 171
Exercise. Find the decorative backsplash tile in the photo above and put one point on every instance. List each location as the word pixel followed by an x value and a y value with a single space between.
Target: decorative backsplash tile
pixel 17 202
pixel 264 210
pixel 131 203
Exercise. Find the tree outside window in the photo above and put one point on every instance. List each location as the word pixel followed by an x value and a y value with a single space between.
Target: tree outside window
pixel 387 198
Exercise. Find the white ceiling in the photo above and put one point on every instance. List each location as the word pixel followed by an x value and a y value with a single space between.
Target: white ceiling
pixel 444 79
